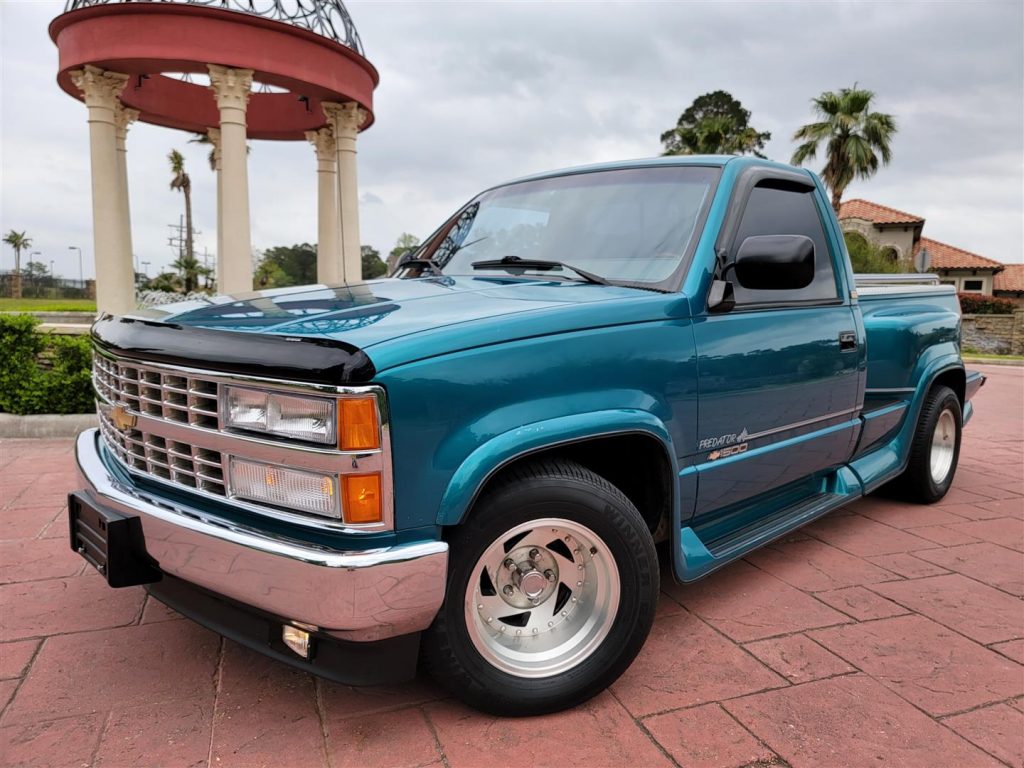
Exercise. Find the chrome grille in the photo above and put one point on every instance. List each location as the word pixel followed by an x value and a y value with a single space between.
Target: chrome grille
pixel 155 392
pixel 168 396
pixel 172 460
pixel 161 421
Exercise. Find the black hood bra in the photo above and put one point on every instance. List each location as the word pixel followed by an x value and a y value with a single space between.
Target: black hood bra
pixel 315 361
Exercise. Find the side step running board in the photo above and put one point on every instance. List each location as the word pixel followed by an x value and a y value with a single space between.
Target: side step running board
pixel 696 558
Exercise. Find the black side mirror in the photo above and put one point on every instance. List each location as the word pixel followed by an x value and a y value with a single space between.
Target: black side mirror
pixel 775 262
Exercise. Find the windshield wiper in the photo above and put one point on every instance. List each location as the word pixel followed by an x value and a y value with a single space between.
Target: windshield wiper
pixel 515 262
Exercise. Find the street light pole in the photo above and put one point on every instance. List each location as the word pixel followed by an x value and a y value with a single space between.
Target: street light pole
pixel 81 275
pixel 145 268
pixel 35 280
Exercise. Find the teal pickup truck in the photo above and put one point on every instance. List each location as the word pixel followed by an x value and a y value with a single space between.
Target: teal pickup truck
pixel 471 464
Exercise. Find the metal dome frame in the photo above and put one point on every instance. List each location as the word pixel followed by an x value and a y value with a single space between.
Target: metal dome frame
pixel 328 18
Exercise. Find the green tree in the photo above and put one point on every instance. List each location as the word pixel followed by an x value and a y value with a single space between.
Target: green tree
pixel 283 266
pixel 406 243
pixel 186 263
pixel 165 281
pixel 19 242
pixel 211 157
pixel 715 124
pixel 868 258
pixel 856 139
pixel 372 264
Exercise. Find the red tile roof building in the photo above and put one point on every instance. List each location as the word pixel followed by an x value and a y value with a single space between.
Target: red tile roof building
pixel 900 234
pixel 1010 282
pixel 875 213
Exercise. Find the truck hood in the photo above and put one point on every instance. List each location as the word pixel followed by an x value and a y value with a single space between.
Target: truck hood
pixel 395 321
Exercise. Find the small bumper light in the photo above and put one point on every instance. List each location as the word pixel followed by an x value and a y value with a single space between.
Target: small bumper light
pixel 296 639
pixel 282 487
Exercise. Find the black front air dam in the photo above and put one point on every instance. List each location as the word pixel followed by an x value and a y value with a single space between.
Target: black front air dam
pixel 316 361
pixel 381 662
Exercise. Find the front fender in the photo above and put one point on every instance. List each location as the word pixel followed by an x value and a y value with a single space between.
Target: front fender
pixel 502 449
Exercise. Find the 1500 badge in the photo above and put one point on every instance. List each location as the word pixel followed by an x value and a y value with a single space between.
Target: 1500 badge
pixel 732 450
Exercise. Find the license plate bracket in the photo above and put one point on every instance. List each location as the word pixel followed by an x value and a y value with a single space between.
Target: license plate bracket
pixel 111 542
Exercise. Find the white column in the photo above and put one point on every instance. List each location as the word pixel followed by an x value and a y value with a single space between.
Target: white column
pixel 115 274
pixel 329 263
pixel 345 120
pixel 123 118
pixel 232 88
pixel 214 134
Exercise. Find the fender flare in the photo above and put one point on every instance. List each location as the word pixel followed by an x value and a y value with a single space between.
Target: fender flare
pixel 501 450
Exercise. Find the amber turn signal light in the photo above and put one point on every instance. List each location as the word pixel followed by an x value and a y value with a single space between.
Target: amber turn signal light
pixel 362 503
pixel 358 428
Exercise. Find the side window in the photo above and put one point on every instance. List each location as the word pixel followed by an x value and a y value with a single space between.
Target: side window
pixel 775 209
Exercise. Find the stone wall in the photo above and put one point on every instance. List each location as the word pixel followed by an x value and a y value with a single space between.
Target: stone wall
pixel 999 334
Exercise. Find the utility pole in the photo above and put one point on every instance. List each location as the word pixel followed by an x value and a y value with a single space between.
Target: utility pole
pixel 81 274
pixel 178 241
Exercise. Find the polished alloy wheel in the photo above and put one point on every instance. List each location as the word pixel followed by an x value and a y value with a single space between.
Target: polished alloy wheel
pixel 943 446
pixel 542 598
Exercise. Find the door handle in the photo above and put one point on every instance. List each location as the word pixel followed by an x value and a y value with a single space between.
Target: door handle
pixel 847 341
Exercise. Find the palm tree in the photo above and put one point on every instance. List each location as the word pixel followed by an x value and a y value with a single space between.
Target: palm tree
pixel 19 242
pixel 186 262
pixel 204 138
pixel 855 138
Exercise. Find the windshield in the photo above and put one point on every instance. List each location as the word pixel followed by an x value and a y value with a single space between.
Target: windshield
pixel 633 225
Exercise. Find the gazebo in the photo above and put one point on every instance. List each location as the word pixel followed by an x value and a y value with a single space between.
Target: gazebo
pixel 277 70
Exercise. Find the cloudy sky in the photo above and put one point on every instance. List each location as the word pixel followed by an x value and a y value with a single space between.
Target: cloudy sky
pixel 473 93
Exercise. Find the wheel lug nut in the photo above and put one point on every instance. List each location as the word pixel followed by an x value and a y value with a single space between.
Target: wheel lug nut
pixel 534 553
pixel 535 630
pixel 508 589
pixel 549 575
pixel 510 565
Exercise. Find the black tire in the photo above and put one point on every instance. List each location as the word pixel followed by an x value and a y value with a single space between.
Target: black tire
pixel 544 489
pixel 917 483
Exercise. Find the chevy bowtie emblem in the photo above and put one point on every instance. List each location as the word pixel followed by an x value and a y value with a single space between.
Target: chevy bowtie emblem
pixel 121 418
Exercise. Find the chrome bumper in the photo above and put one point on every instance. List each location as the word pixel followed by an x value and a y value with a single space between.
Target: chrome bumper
pixel 362 595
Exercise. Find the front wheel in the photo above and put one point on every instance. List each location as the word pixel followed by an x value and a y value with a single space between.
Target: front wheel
pixel 551 593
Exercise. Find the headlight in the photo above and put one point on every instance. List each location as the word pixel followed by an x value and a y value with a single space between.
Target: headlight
pixel 351 423
pixel 303 418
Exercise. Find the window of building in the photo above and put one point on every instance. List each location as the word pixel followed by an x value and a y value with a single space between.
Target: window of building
pixel 973 286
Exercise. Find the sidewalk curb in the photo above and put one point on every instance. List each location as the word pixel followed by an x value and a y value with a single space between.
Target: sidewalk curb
pixel 989 361
pixel 46 425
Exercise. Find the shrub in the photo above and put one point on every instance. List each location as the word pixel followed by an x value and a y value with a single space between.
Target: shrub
pixel 43 373
pixel 977 304
pixel 868 258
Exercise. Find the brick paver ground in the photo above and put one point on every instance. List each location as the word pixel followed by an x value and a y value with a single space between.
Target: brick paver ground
pixel 886 634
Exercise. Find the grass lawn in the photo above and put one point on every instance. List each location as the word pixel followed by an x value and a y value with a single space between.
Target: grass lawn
pixel 47 305
pixel 986 356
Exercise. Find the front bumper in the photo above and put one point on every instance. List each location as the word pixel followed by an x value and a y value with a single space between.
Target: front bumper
pixel 353 595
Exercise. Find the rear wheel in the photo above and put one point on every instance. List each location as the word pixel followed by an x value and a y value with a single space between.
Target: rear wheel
pixel 935 449
pixel 551 593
